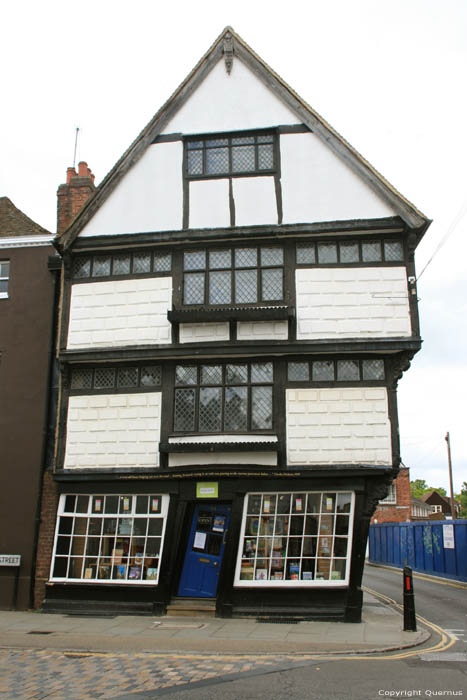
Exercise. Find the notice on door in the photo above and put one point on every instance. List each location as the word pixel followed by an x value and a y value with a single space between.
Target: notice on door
pixel 200 541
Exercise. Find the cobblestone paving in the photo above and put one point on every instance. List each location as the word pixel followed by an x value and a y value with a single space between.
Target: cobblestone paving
pixel 56 675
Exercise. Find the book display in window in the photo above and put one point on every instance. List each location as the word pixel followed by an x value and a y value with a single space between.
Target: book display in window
pixel 109 538
pixel 296 537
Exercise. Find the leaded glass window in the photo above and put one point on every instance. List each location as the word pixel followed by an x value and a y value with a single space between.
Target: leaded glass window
pixel 233 276
pixel 230 155
pixel 345 370
pixel 232 398
pixel 112 378
pixel 120 264
pixel 349 252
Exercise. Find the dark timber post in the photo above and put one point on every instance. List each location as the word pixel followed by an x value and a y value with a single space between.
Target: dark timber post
pixel 410 622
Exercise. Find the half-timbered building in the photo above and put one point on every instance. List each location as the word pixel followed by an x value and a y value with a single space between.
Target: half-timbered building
pixel 238 305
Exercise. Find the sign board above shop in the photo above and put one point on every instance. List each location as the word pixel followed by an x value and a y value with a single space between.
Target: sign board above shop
pixel 207 489
pixel 10 559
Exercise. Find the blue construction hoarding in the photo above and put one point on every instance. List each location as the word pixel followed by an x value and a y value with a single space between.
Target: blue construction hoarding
pixel 435 547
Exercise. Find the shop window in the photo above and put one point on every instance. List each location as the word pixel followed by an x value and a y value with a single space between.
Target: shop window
pixel 295 539
pixel 235 155
pixel 227 398
pixel 4 278
pixel 233 276
pixel 109 538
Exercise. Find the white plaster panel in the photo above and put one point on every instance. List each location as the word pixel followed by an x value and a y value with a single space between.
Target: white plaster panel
pixel 148 198
pixel 318 186
pixel 358 302
pixel 104 433
pixel 203 332
pixel 262 330
pixel 209 203
pixel 232 102
pixel 120 312
pixel 338 426
pixel 205 458
pixel 255 201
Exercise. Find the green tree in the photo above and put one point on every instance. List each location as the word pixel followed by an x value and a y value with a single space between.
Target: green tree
pixel 462 498
pixel 419 487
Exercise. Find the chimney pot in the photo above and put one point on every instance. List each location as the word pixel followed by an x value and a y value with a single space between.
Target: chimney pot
pixel 83 169
pixel 70 172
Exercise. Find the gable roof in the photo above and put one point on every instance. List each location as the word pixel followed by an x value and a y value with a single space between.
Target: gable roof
pixel 232 47
pixel 13 222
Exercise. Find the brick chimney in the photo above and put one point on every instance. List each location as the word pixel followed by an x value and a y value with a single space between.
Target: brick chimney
pixel 72 195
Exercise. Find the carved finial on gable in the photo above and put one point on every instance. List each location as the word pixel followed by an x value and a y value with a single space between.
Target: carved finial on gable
pixel 228 52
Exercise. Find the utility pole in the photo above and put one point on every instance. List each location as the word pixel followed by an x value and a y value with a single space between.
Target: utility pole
pixel 448 440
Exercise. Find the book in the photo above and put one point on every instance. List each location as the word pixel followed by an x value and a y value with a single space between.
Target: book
pixel 120 571
pixel 151 574
pixel 261 574
pixel 117 554
pixel 307 575
pixel 135 572
pixel 88 573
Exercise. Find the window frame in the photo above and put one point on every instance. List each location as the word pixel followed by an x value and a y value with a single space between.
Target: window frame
pixel 299 582
pixel 5 267
pixel 113 255
pixel 229 136
pixel 223 386
pixel 233 269
pixel 93 514
pixel 391 498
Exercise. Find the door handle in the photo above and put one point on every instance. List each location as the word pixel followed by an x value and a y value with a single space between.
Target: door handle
pixel 215 563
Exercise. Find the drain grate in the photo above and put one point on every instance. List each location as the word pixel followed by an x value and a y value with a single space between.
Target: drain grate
pixel 41 632
pixel 280 620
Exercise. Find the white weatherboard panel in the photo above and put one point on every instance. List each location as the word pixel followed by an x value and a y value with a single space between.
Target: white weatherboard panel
pixel 255 201
pixel 318 186
pixel 203 332
pixel 204 458
pixel 232 102
pixel 113 430
pixel 148 198
pixel 262 330
pixel 338 426
pixel 209 204
pixel 357 302
pixel 120 312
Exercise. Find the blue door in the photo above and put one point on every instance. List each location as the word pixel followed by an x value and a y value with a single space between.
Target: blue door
pixel 203 558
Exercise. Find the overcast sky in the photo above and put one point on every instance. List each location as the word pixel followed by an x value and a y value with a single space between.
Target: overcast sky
pixel 389 75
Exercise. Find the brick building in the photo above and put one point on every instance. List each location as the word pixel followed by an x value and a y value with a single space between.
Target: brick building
pixel 399 505
pixel 27 290
pixel 238 306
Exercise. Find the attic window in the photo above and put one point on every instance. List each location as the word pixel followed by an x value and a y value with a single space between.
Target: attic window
pixel 245 154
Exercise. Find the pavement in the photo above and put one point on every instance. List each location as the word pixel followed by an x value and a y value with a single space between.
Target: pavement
pixel 51 656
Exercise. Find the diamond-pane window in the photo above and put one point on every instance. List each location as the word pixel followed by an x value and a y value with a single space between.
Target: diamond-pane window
pixel 104 378
pixel 298 371
pixel 141 263
pixel 231 155
pixel 261 373
pixel 349 252
pixel 195 162
pixel 393 251
pixel 193 292
pixel 81 268
pixel 219 259
pixel 121 265
pixel 327 253
pixel 371 251
pixel 162 262
pixel 186 374
pixel 210 406
pixel 185 400
pixel 323 371
pixel 150 376
pixel 246 257
pixel 237 374
pixel 306 254
pixel 236 408
pixel 243 159
pixel 211 374
pixel 81 379
pixel 348 371
pixel 246 286
pixel 101 266
pixel 195 260
pixel 217 161
pixel 373 369
pixel 261 407
pixel 220 287
pixel 271 257
pixel 272 285
pixel 127 376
